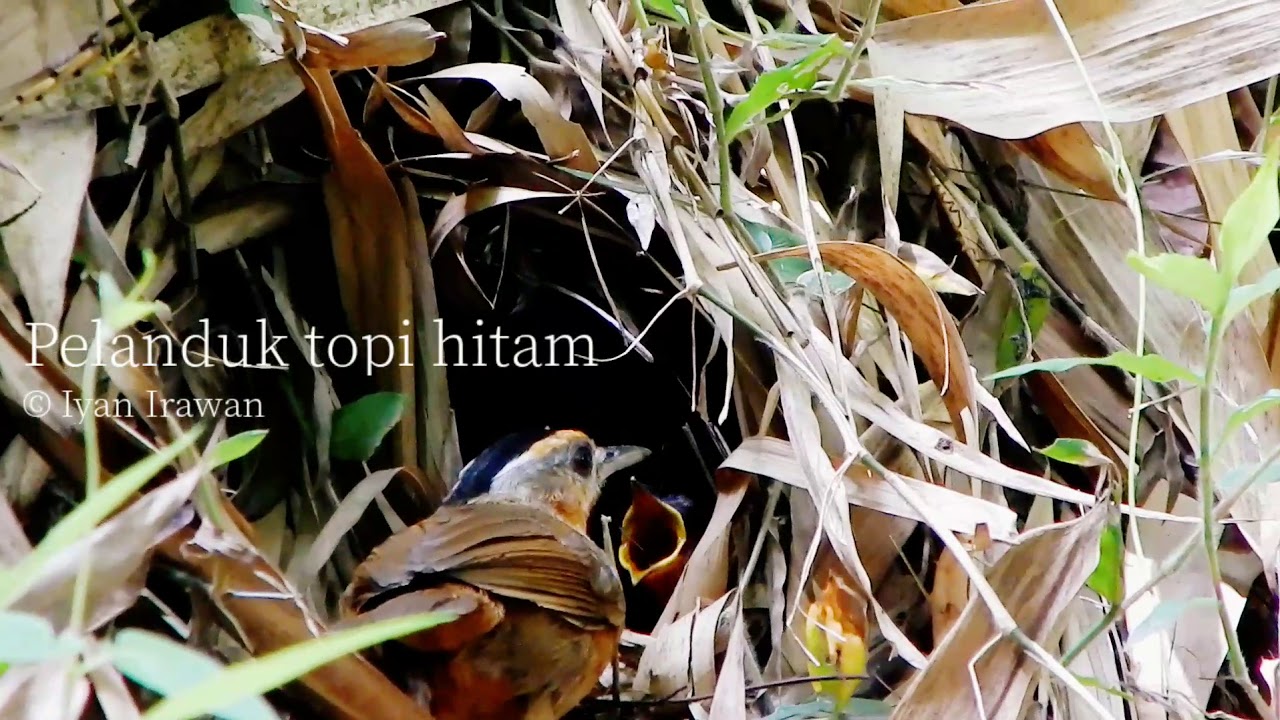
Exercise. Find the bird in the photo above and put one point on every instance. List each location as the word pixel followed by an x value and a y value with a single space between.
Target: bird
pixel 539 608
pixel 654 546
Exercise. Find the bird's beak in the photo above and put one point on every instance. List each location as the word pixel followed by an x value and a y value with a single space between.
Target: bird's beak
pixel 613 458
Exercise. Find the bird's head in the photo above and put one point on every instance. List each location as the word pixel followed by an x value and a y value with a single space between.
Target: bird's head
pixel 562 471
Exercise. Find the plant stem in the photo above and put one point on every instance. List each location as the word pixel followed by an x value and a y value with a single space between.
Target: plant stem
pixel 1210 528
pixel 715 103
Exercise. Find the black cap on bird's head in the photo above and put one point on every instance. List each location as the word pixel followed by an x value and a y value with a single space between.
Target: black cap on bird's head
pixel 563 471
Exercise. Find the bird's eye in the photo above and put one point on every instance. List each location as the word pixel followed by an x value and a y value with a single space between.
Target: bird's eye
pixel 582 460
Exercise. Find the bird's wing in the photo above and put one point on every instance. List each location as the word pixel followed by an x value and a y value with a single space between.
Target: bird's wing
pixel 507 549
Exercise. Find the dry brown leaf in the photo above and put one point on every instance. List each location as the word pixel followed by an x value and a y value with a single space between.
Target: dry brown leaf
pixel 39 35
pixel 371 247
pixel 562 139
pixel 209 51
pixel 55 159
pixel 1064 555
pixel 1001 68
pixel 259 607
pixel 920 312
pixel 120 549
pixel 684 652
pixel 52 689
pixel 1070 153
pixel 394 44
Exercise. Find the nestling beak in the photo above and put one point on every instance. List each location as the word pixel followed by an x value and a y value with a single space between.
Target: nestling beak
pixel 653 539
pixel 611 459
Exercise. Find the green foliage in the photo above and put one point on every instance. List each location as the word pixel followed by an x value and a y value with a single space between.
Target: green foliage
pixel 1254 474
pixel 1191 277
pixel 359 428
pixel 668 9
pixel 81 521
pixel 1243 415
pixel 798 76
pixel 1076 452
pixel 235 447
pixel 1108 577
pixel 30 639
pixel 250 678
pixel 168 668
pixel 1152 366
pixel 1166 615
pixel 1249 220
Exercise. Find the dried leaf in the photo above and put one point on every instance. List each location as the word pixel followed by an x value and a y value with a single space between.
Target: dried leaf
pixel 1026 84
pixel 1064 555
pixel 399 42
pixel 56 157
pixel 963 514
pixel 918 310
pixel 562 139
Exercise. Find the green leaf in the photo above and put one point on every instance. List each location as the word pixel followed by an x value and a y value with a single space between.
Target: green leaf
pixel 1245 295
pixel 1190 277
pixel 1251 474
pixel 261 674
pixel 86 516
pixel 1151 366
pixel 1267 401
pixel 667 8
pixel 29 639
pixel 776 84
pixel 358 428
pixel 235 447
pixel 168 668
pixel 768 238
pixel 257 17
pixel 1249 220
pixel 1076 452
pixel 1166 615
pixel 1107 579
pixel 1023 321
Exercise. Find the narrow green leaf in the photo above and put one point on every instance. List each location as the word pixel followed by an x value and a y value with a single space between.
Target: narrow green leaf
pixel 1151 366
pixel 168 668
pixel 1166 615
pixel 1190 277
pixel 1249 220
pixel 776 84
pixel 1076 452
pixel 1107 578
pixel 86 516
pixel 1245 295
pixel 258 675
pixel 358 428
pixel 29 639
pixel 235 447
